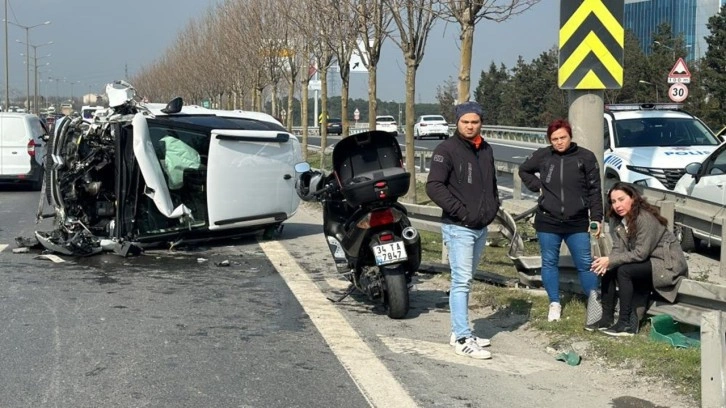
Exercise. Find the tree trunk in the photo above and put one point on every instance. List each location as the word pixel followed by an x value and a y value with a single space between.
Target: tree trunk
pixel 372 101
pixel 322 124
pixel 467 43
pixel 408 129
pixel 288 115
pixel 304 119
pixel 344 106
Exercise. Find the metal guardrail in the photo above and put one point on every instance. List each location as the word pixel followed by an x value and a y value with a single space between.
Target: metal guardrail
pixel 529 135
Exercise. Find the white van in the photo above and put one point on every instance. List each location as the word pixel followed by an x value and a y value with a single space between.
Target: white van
pixel 22 137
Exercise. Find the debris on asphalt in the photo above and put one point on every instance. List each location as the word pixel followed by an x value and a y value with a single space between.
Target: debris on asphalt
pixel 22 250
pixel 51 257
pixel 223 263
pixel 201 260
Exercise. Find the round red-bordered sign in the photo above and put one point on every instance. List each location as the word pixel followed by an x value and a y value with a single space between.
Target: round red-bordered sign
pixel 678 92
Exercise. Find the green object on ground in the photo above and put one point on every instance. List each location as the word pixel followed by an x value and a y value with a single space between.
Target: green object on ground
pixel 665 330
pixel 570 358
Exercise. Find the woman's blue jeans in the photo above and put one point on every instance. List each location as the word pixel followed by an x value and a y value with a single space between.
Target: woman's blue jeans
pixel 465 247
pixel 579 245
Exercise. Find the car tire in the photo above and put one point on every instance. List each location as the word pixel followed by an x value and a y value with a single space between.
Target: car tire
pixel 685 236
pixel 37 184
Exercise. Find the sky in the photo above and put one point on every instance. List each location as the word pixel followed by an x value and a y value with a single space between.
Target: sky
pixel 98 41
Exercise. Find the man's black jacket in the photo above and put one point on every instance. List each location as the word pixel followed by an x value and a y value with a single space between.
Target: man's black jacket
pixel 570 186
pixel 463 182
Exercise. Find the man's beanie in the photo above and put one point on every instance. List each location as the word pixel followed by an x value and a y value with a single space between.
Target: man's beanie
pixel 468 107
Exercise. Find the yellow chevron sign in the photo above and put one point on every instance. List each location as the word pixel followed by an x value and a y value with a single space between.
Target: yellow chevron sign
pixel 591 44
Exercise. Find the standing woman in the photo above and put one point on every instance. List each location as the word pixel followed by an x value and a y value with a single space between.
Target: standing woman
pixel 646 256
pixel 568 179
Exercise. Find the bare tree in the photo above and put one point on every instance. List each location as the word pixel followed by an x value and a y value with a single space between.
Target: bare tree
pixel 413 20
pixel 467 13
pixel 373 21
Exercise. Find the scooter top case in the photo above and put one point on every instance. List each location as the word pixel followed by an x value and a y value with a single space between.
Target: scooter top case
pixel 369 168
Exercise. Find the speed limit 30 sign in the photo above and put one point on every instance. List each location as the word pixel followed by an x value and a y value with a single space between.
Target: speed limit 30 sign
pixel 678 92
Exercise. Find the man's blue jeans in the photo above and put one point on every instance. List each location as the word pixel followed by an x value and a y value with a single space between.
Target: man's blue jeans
pixel 579 245
pixel 465 247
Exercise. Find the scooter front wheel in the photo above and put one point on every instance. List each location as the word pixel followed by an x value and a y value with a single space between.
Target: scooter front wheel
pixel 396 293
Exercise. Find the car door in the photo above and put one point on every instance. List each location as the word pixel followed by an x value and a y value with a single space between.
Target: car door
pixel 251 177
pixel 712 184
pixel 14 137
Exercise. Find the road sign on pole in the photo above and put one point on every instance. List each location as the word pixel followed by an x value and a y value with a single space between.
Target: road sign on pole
pixel 356 114
pixel 678 92
pixel 591 44
pixel 679 73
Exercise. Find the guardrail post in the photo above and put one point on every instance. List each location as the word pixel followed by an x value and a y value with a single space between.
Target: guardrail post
pixel 516 186
pixel 668 211
pixel 422 167
pixel 713 359
pixel 444 253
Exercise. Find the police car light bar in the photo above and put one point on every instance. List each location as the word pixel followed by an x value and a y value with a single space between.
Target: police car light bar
pixel 643 106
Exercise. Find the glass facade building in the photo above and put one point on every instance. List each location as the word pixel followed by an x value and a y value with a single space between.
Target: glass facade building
pixel 687 18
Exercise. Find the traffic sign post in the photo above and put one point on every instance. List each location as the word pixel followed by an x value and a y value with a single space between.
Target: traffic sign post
pixel 678 92
pixel 356 115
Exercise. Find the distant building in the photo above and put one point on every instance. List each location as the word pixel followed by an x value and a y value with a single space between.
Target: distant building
pixel 687 18
pixel 93 99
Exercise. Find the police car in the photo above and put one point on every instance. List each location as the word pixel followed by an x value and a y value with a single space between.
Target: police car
pixel 651 144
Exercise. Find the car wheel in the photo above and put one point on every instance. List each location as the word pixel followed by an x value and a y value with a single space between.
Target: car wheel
pixel 685 236
pixel 37 184
pixel 609 182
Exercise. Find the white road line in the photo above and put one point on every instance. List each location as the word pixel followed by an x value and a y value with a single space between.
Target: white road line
pixel 444 352
pixel 2 247
pixel 374 380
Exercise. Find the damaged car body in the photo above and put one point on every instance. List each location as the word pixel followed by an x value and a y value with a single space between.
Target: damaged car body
pixel 148 174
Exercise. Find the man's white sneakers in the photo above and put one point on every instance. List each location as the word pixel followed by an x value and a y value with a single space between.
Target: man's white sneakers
pixel 480 341
pixel 468 347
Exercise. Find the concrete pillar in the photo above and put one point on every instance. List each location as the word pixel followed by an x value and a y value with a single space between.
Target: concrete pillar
pixel 713 359
pixel 586 117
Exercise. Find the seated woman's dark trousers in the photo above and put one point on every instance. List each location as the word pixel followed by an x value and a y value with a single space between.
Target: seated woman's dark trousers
pixel 635 282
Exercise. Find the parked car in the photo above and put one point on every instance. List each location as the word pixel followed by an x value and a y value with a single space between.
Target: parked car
pixel 387 124
pixel 651 144
pixel 154 173
pixel 22 138
pixel 705 180
pixel 335 126
pixel 431 125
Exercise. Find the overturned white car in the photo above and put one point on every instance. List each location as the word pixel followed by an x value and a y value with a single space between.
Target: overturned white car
pixel 145 174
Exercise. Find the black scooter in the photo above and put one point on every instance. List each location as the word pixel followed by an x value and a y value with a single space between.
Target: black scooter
pixel 369 234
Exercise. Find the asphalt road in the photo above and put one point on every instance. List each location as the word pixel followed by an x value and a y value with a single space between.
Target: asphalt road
pixel 167 330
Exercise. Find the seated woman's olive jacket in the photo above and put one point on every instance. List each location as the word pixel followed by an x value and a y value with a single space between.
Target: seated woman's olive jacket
pixel 653 241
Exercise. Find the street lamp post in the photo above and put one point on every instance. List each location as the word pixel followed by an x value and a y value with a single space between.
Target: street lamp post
pixel 27 49
pixel 667 47
pixel 35 57
pixel 657 97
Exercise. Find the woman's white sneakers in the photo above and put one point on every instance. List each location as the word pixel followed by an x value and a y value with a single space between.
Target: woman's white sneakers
pixel 555 312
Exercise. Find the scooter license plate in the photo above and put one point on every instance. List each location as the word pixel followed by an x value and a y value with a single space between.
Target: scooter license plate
pixel 390 253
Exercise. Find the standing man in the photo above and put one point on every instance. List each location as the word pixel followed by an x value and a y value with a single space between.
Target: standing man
pixel 463 182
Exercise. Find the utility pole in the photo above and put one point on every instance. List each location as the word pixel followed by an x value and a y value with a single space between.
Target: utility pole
pixel 7 74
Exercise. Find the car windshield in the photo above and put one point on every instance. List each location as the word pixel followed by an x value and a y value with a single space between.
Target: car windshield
pixel 334 121
pixel 433 119
pixel 663 132
pixel 385 119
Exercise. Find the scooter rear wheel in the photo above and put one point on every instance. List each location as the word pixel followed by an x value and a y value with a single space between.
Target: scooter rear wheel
pixel 396 293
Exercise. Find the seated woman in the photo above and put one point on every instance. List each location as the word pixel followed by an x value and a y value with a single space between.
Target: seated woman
pixel 646 256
